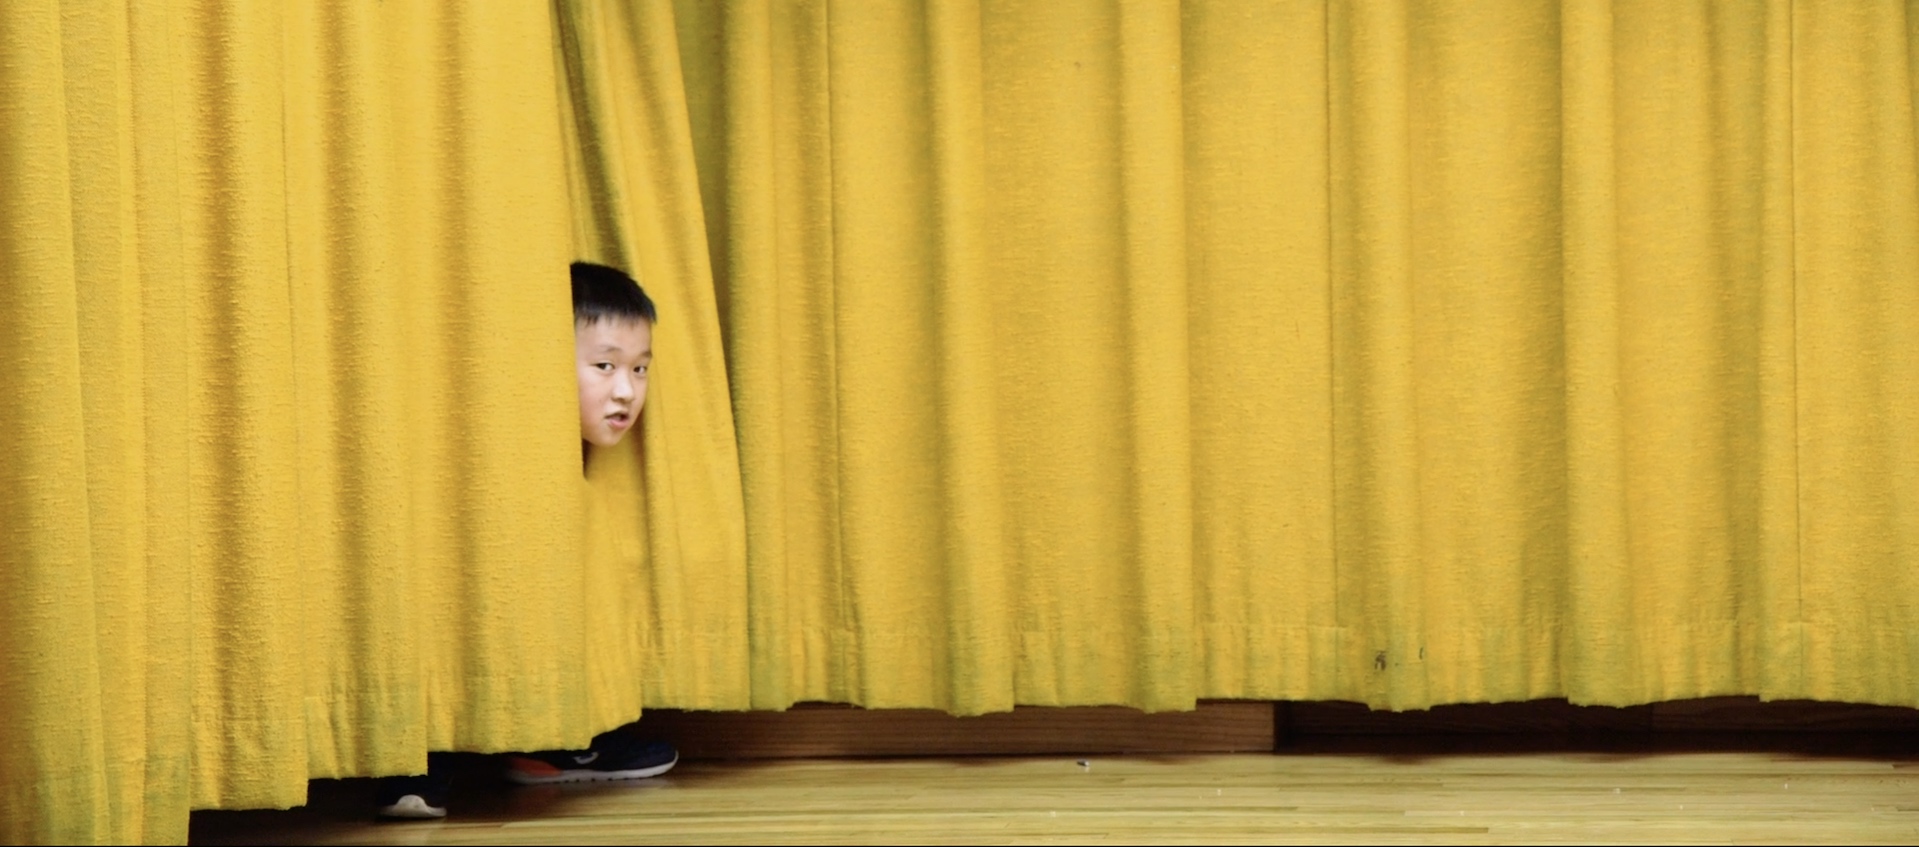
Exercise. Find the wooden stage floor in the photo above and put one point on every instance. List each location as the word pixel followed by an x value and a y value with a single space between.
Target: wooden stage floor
pixel 1829 788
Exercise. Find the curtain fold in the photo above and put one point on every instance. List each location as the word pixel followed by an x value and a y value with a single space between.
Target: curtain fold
pixel 669 567
pixel 1855 260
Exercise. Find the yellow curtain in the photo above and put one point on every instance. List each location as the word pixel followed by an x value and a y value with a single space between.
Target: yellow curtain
pixel 1409 353
pixel 1043 353
pixel 669 570
pixel 289 483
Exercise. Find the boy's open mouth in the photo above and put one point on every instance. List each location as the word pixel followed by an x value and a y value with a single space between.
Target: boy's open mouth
pixel 617 418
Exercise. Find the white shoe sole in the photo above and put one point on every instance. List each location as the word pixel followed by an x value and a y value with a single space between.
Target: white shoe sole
pixel 412 808
pixel 584 775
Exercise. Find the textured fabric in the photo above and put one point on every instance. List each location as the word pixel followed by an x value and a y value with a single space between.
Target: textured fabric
pixel 670 569
pixel 290 483
pixel 1407 353
pixel 1047 353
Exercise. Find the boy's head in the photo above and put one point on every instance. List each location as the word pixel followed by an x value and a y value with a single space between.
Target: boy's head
pixel 613 348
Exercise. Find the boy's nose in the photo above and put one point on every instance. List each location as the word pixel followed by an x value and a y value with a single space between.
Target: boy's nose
pixel 623 388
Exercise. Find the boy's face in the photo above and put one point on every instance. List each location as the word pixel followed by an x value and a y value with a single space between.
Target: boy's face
pixel 613 356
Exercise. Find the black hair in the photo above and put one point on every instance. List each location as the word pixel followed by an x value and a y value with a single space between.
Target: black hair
pixel 601 292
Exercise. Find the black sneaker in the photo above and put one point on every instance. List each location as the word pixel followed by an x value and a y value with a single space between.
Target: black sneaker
pixel 413 798
pixel 614 755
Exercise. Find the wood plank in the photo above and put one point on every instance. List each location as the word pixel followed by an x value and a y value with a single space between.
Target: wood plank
pixel 821 730
pixel 1364 792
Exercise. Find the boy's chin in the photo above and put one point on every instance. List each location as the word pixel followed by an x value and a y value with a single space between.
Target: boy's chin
pixel 603 439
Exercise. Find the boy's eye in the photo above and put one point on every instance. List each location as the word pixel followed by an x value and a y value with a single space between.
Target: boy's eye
pixel 641 370
pixel 604 366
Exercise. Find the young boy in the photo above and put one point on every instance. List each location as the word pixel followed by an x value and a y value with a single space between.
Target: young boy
pixel 612 351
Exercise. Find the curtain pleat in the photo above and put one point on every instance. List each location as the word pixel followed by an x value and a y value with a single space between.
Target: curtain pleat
pixel 1266 612
pixel 1855 224
pixel 51 665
